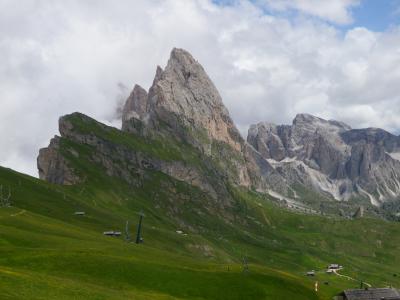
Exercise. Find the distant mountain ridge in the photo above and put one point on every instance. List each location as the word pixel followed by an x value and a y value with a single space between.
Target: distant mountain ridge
pixel 332 158
pixel 183 105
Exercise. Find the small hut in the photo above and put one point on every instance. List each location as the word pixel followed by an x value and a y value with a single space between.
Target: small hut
pixel 334 267
pixel 369 294
pixel 112 233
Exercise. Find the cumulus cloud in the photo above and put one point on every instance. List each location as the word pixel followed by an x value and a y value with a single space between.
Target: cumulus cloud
pixel 64 56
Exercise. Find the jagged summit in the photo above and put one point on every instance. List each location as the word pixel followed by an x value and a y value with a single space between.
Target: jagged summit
pixel 280 141
pixel 305 123
pixel 183 97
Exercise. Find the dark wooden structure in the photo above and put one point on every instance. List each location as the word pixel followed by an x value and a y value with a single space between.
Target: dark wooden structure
pixel 369 294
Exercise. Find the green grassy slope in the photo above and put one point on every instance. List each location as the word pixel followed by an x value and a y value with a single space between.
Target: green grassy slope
pixel 46 252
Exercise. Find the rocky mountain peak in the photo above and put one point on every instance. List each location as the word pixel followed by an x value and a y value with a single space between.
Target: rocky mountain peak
pixel 184 99
pixel 184 102
pixel 182 61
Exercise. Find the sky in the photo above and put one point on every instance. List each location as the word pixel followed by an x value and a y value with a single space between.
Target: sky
pixel 270 59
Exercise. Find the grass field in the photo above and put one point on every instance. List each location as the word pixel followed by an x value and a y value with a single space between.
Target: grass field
pixel 47 252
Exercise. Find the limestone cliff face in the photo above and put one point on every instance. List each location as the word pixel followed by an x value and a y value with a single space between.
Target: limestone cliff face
pixel 331 158
pixel 185 103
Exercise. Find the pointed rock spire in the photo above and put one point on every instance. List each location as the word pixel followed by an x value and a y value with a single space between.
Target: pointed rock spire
pixel 158 75
pixel 135 105
pixel 184 102
pixel 183 97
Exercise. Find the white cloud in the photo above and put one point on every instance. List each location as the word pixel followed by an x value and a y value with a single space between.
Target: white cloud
pixel 335 11
pixel 65 56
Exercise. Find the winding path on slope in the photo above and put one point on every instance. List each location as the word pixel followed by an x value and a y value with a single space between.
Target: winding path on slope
pixel 349 278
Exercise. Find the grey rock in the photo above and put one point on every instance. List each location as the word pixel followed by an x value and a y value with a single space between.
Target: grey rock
pixel 332 158
pixel 136 104
pixel 53 167
pixel 184 98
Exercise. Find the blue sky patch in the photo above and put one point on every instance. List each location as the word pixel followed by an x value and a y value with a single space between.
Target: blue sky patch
pixel 375 15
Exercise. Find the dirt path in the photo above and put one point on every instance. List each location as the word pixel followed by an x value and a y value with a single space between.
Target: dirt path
pixel 349 278
pixel 18 213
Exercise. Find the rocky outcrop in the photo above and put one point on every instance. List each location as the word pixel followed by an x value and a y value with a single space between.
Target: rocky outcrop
pixel 136 104
pixel 263 176
pixel 117 159
pixel 332 158
pixel 53 167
